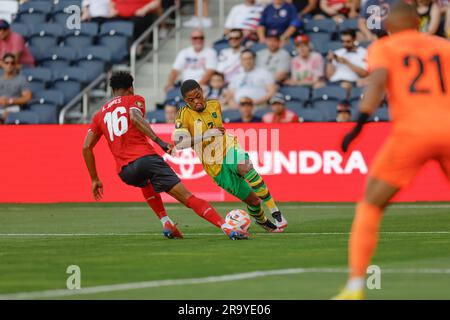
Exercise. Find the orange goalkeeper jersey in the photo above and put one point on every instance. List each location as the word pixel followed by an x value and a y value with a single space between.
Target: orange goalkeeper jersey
pixel 418 87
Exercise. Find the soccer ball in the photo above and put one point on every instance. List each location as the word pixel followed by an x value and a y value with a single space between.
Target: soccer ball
pixel 238 219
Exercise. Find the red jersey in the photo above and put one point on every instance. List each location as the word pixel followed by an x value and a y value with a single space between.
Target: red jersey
pixel 128 8
pixel 287 116
pixel 125 141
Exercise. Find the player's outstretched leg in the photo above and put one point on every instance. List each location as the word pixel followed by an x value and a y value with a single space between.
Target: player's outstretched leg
pixel 254 207
pixel 155 202
pixel 204 210
pixel 364 236
pixel 260 188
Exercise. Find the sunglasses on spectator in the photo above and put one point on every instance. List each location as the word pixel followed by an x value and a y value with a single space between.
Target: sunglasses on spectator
pixel 198 38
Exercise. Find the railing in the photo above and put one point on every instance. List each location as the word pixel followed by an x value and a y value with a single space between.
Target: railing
pixel 154 28
pixel 84 96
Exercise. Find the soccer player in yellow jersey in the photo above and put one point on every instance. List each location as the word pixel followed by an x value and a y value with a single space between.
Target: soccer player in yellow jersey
pixel 199 125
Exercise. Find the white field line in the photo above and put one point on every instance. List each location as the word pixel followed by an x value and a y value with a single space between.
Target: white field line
pixel 112 234
pixel 190 281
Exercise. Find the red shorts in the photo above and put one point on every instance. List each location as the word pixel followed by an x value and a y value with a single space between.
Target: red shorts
pixel 402 156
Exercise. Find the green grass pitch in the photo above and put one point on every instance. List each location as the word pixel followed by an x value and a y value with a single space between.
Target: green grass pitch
pixel 122 244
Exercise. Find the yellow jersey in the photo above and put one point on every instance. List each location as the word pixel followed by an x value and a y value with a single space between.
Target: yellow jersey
pixel 211 151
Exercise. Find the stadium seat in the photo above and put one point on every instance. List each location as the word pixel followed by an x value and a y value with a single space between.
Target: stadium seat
pixel 356 93
pixel 113 28
pixel 42 41
pixel 327 109
pixel 36 52
pixel 58 57
pixel 59 15
pixel 22 117
pixel 323 25
pixel 335 93
pixel 349 24
pixel 290 47
pixel 310 115
pixel 47 113
pixel 37 78
pixel 220 45
pixel 69 87
pixel 157 116
pixel 261 112
pixel 298 93
pixel 332 45
pixel 21 28
pixel 257 46
pixel 83 37
pixel 48 97
pixel 174 94
pixel 365 44
pixel 93 60
pixel 231 115
pixel 382 114
pixel 33 13
pixel 70 73
pixel 117 44
pixel 319 40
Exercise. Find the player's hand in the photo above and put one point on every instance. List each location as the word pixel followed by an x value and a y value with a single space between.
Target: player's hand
pixel 97 189
pixel 171 149
pixel 221 129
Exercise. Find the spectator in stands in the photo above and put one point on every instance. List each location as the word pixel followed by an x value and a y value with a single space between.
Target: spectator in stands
pixel 343 112
pixel 12 42
pixel 371 20
pixel 229 59
pixel 196 62
pixel 281 16
pixel 254 82
pixel 279 114
pixel 95 10
pixel 354 9
pixel 204 21
pixel 348 64
pixel 274 58
pixel 141 12
pixel 246 109
pixel 337 10
pixel 216 88
pixel 245 16
pixel 14 90
pixel 170 111
pixel 307 68
pixel 430 16
pixel 306 8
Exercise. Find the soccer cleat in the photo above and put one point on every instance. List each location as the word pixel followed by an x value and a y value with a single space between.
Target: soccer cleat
pixel 269 226
pixel 346 294
pixel 170 231
pixel 234 234
pixel 280 221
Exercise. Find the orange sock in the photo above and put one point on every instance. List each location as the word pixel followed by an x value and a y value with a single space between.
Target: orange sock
pixel 364 237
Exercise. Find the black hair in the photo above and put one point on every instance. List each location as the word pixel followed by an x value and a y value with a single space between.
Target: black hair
pixel 188 86
pixel 9 55
pixel 250 51
pixel 349 32
pixel 237 30
pixel 121 80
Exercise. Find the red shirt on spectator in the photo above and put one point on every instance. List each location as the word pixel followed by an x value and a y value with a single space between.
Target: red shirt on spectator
pixel 287 116
pixel 15 44
pixel 127 8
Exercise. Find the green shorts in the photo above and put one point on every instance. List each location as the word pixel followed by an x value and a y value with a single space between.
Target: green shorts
pixel 229 178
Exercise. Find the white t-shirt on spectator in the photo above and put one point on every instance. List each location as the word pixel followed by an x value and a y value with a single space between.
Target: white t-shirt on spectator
pixel 193 65
pixel 97 8
pixel 244 17
pixel 343 72
pixel 229 63
pixel 251 84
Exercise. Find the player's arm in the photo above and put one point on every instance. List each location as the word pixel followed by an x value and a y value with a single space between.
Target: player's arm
pixel 89 143
pixel 143 126
pixel 372 98
pixel 183 139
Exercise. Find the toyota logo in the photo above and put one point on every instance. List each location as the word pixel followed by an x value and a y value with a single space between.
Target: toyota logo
pixel 188 163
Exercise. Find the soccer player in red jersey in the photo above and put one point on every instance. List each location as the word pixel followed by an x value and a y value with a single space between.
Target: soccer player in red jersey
pixel 122 122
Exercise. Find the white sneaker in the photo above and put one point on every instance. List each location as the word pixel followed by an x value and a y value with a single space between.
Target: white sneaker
pixel 280 221
pixel 193 22
pixel 206 22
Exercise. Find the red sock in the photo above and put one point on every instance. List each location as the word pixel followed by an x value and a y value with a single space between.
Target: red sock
pixel 205 210
pixel 154 201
